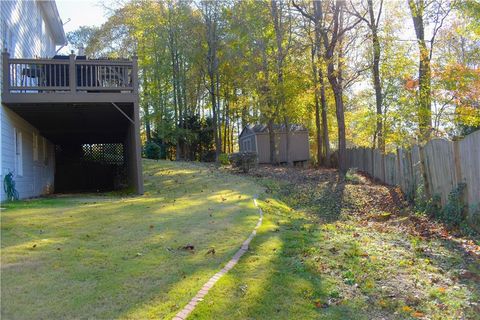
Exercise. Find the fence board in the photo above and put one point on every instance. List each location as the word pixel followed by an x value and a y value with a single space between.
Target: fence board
pixel 469 154
pixel 447 163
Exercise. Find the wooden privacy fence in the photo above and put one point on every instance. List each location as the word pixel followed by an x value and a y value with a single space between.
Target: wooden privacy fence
pixel 440 165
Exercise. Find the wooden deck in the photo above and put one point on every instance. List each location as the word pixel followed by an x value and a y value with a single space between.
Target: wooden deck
pixel 68 79
pixel 74 101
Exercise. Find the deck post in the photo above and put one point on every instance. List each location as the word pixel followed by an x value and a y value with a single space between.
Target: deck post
pixel 5 72
pixel 135 74
pixel 72 73
pixel 136 148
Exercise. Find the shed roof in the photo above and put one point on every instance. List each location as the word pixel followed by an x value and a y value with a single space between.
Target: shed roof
pixel 262 128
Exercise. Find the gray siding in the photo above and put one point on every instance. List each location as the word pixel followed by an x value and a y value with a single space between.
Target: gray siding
pixel 24 31
pixel 38 175
pixel 299 149
pixel 263 148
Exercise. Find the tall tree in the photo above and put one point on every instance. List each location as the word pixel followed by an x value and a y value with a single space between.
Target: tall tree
pixel 211 16
pixel 317 55
pixel 372 20
pixel 425 12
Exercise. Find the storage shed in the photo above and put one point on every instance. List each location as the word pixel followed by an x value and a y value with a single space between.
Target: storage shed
pixel 256 138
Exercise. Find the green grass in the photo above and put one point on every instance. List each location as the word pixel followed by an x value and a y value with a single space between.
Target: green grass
pixel 327 249
pixel 315 258
pixel 105 257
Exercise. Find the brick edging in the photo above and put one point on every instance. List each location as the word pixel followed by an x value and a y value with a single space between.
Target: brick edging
pixel 183 314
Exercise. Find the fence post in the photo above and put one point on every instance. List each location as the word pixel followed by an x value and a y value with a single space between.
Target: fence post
pixel 72 73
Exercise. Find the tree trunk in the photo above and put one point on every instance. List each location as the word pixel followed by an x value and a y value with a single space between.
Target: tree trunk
pixel 318 125
pixel 280 56
pixel 271 138
pixel 288 137
pixel 211 16
pixel 323 100
pixel 376 78
pixel 424 71
pixel 318 18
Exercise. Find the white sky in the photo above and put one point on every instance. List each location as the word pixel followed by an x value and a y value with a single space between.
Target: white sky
pixel 81 13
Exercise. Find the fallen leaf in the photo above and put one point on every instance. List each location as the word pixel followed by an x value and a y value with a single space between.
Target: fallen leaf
pixel 406 309
pixel 418 314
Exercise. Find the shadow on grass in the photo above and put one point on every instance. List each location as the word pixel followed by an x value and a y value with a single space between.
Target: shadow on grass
pixel 122 258
pixel 298 265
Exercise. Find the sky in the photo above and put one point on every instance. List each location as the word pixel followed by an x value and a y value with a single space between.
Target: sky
pixel 80 13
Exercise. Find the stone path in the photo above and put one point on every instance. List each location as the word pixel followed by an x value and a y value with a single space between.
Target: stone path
pixel 183 314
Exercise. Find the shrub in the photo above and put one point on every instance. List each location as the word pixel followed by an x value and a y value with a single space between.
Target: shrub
pixel 244 160
pixel 223 159
pixel 454 211
pixel 152 150
pixel 429 206
pixel 352 176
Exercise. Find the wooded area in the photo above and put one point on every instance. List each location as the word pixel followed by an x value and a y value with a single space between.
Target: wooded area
pixel 368 73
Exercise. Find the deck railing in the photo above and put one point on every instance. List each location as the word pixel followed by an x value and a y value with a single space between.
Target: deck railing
pixel 68 74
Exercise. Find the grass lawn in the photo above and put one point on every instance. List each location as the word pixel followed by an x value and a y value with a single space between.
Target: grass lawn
pixel 105 257
pixel 327 249
pixel 330 249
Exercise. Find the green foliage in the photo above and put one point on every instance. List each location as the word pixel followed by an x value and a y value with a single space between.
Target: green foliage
pixel 223 159
pixel 263 70
pixel 82 37
pixel 152 150
pixel 425 205
pixel 244 160
pixel 454 211
pixel 352 176
pixel 9 187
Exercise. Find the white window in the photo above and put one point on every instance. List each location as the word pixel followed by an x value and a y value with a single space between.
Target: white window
pixel 35 147
pixel 18 143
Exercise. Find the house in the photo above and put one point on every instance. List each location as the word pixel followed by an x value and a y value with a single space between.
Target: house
pixel 256 138
pixel 67 123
